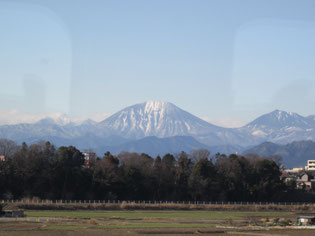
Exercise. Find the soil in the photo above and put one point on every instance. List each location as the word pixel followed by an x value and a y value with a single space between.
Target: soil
pixel 20 228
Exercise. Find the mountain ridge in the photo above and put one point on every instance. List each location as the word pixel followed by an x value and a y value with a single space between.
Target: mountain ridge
pixel 294 154
pixel 164 120
pixel 156 118
pixel 155 146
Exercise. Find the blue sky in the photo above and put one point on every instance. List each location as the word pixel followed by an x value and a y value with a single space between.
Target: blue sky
pixel 221 60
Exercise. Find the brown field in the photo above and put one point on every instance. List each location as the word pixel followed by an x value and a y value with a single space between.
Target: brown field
pixel 30 229
pixel 146 222
pixel 38 229
pixel 44 218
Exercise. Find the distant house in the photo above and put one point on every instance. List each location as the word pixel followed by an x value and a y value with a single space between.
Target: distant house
pixel 89 157
pixel 288 177
pixel 310 167
pixel 306 180
pixel 12 211
pixel 306 220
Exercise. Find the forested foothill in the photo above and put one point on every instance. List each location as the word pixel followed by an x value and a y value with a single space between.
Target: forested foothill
pixel 43 171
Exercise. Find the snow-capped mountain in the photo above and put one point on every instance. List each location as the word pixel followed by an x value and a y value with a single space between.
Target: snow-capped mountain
pixel 13 117
pixel 154 118
pixel 281 127
pixel 162 120
pixel 311 119
pixel 280 119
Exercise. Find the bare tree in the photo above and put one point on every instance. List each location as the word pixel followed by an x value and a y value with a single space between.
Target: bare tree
pixel 7 147
pixel 199 154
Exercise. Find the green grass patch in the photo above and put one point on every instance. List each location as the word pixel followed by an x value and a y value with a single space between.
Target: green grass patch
pixel 210 215
pixel 128 226
pixel 153 225
pixel 65 227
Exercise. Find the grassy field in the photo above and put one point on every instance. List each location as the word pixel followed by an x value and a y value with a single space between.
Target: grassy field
pixel 206 215
pixel 141 222
pixel 129 226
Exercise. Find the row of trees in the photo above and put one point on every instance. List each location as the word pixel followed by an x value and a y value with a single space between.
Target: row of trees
pixel 40 170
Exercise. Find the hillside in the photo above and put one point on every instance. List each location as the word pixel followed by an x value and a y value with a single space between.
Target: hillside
pixel 293 154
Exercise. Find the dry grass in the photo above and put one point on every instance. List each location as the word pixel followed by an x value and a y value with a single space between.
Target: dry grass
pixel 163 206
pixel 92 222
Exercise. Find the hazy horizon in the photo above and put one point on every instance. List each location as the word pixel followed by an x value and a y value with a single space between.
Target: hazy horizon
pixel 227 62
pixel 12 117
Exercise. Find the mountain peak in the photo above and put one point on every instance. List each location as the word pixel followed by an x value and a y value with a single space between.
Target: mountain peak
pixel 155 118
pixel 154 103
pixel 46 121
pixel 157 106
pixel 280 113
pixel 280 119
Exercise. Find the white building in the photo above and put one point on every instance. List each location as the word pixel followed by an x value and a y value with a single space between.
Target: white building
pixel 310 165
pixel 88 157
pixel 294 170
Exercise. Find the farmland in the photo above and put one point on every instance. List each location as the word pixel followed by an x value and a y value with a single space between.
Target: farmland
pixel 145 222
pixel 207 215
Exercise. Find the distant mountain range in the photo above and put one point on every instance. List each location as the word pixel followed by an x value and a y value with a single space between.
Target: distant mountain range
pixel 159 127
pixel 281 127
pixel 293 154
pixel 159 146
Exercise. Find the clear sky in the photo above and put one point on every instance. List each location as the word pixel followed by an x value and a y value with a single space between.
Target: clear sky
pixel 225 61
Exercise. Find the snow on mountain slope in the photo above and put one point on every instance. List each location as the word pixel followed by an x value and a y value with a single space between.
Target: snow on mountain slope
pixel 281 127
pixel 311 119
pixel 153 118
pixel 163 119
pixel 280 119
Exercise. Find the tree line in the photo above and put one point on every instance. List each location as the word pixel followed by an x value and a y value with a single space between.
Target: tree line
pixel 41 170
